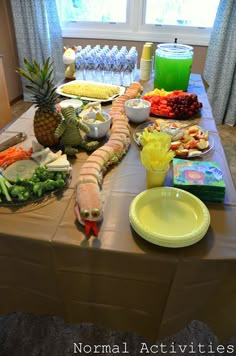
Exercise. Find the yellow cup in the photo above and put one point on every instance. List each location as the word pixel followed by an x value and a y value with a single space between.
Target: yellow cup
pixel 156 178
pixel 147 52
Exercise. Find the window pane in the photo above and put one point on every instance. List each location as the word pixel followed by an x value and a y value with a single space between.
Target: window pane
pixel 92 10
pixel 181 12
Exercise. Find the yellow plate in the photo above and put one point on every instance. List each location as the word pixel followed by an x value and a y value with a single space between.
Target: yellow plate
pixel 169 217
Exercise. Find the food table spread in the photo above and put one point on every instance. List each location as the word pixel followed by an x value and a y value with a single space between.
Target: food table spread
pixel 117 279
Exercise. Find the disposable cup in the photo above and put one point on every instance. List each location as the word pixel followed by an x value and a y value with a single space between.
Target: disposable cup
pixel 156 178
pixel 145 69
pixel 147 52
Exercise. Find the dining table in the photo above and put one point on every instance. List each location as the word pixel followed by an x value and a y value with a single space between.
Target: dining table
pixel 118 279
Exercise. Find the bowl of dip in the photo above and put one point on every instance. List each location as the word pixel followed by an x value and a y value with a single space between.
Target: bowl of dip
pixel 98 122
pixel 137 110
pixel 76 103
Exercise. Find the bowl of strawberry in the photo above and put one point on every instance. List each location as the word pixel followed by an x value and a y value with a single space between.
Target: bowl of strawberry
pixel 176 104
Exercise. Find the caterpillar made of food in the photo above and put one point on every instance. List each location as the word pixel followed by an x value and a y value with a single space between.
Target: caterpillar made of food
pixel 88 202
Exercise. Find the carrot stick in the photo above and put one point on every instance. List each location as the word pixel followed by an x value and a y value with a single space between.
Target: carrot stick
pixel 14 154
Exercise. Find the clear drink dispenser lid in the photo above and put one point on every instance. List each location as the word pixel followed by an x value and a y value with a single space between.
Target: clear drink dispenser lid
pixel 175 47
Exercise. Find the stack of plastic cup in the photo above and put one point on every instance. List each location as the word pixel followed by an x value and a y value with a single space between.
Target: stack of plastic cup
pixel 146 62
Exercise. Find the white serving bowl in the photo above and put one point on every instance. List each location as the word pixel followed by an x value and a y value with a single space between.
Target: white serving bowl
pixel 76 103
pixel 137 110
pixel 98 129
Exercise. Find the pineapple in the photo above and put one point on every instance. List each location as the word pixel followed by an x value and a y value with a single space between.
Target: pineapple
pixel 47 117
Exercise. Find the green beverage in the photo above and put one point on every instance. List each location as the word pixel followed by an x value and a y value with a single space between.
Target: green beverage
pixel 173 63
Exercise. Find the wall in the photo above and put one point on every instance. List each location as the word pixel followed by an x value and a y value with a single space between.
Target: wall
pixel 10 60
pixel 8 51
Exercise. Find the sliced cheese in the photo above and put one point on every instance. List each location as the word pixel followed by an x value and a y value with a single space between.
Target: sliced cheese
pixel 47 158
pixel 59 153
pixel 58 169
pixel 40 153
pixel 61 162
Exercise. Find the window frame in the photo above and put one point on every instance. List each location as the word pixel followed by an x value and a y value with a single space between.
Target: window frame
pixel 135 29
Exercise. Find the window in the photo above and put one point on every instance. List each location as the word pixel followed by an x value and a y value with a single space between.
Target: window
pixel 181 12
pixel 93 11
pixel 140 20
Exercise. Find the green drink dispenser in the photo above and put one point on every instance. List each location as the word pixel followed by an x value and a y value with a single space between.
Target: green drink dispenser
pixel 173 63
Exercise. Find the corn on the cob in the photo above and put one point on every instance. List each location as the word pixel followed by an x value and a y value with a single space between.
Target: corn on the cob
pixel 97 91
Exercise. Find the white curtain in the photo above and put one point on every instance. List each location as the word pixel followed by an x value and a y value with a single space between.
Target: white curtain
pixel 38 34
pixel 220 66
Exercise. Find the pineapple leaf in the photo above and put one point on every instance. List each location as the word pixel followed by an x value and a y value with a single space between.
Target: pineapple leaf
pixel 47 64
pixel 24 74
pixel 50 74
pixel 45 69
pixel 38 81
pixel 47 90
pixel 53 92
pixel 30 67
pixel 41 84
pixel 34 90
pixel 36 65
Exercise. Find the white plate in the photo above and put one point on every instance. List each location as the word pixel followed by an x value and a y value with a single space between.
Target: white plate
pixel 139 129
pixel 60 92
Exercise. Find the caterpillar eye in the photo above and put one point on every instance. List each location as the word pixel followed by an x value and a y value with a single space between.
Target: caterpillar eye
pixel 84 213
pixel 95 213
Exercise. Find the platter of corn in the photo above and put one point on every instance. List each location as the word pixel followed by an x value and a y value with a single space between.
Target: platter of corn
pixel 91 91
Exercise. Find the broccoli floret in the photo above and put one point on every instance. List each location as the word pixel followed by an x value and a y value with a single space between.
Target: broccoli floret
pixel 51 175
pixel 34 178
pixel 25 183
pixel 19 192
pixel 38 189
pixel 60 182
pixel 59 175
pixel 43 174
pixel 49 185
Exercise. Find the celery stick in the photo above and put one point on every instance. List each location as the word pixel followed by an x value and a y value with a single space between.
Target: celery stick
pixel 7 183
pixel 4 188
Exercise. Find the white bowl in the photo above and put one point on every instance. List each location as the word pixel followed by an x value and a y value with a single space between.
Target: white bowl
pixel 98 129
pixel 76 103
pixel 137 110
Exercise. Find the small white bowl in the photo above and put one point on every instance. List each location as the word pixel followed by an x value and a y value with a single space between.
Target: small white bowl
pixel 137 110
pixel 76 103
pixel 98 129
